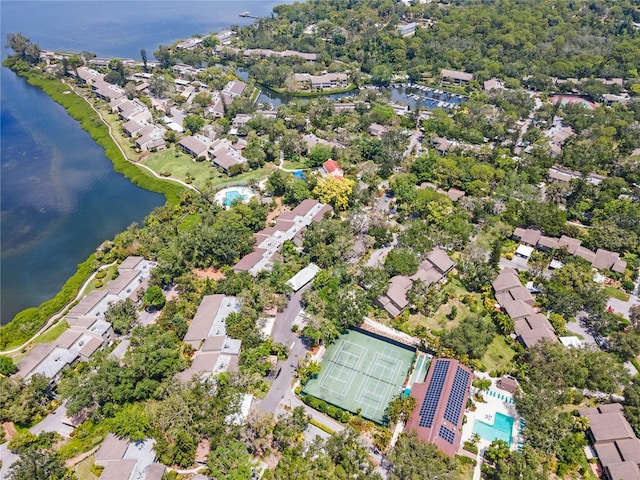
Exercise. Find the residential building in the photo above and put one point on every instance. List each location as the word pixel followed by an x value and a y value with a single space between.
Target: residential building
pixel 601 259
pixel 493 84
pixel 189 43
pixel 377 130
pixel 288 226
pixel 89 331
pixel 453 76
pixel 441 402
pixel 433 269
pixel 195 145
pixel 128 460
pixel 235 88
pixel 224 154
pixel 331 167
pixel 215 351
pixel 240 120
pixel 408 29
pixel 531 327
pixel 614 442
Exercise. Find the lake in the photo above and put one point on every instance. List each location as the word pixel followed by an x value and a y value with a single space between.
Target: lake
pixel 59 195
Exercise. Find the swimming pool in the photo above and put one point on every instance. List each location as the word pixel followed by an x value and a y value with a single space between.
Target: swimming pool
pixel 227 196
pixel 502 428
pixel 299 174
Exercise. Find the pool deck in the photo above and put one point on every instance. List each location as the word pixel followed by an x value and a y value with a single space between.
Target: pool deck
pixel 486 411
pixel 242 191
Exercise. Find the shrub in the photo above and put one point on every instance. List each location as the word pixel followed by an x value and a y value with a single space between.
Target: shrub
pixel 332 411
pixel 101 274
pixel 470 447
pixel 322 406
pixel 96 470
pixel 98 284
pixel 321 426
pixel 346 416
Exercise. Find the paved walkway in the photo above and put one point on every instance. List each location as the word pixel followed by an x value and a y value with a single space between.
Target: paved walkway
pixel 57 315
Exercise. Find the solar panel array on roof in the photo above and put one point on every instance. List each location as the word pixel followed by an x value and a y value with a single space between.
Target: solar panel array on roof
pixel 447 434
pixel 431 399
pixel 456 397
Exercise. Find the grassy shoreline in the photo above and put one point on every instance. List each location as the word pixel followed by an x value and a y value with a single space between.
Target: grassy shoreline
pixel 27 322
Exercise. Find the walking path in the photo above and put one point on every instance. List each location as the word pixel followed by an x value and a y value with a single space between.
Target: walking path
pixel 115 140
pixel 55 317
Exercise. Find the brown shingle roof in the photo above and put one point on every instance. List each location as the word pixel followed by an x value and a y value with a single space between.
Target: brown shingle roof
pixel 571 243
pixel 624 471
pixel 608 427
pixel 120 470
pixel 203 319
pixel 604 259
pixel 440 260
pixel 506 280
pixel 112 449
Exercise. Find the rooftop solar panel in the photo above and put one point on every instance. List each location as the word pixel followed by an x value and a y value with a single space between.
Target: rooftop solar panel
pixel 447 434
pixel 434 390
pixel 456 397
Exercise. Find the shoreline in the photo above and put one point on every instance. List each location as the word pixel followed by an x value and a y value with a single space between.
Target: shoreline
pixel 28 322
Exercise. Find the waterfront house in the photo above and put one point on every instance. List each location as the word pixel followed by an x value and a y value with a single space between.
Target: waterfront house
pixel 235 88
pixel 189 43
pixel 195 145
pixel 456 77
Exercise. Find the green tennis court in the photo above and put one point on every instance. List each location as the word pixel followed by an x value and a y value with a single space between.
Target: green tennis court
pixel 362 372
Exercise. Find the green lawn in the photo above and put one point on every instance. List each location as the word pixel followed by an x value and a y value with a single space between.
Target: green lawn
pixel 116 128
pixel 616 293
pixel 294 165
pixel 498 355
pixel 53 333
pixel 181 165
pixel 83 469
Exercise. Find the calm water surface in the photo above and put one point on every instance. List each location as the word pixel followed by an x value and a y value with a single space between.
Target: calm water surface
pixel 59 195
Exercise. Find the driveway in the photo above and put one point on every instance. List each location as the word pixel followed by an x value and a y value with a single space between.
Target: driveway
pixel 517 263
pixel 578 327
pixel 54 422
pixel 620 307
pixel 51 423
pixel 8 459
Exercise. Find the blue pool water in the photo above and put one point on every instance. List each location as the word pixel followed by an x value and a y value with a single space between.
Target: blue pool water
pixel 232 195
pixel 299 174
pixel 501 429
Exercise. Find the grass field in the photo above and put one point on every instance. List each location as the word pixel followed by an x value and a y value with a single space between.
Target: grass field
pixel 53 333
pixel 361 374
pixel 498 355
pixel 83 469
pixel 616 293
pixel 181 165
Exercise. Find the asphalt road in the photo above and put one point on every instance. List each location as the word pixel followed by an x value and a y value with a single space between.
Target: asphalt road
pixel 282 333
